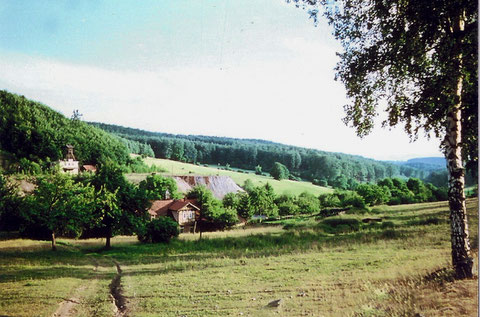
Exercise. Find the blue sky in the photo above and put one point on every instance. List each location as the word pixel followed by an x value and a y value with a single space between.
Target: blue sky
pixel 246 69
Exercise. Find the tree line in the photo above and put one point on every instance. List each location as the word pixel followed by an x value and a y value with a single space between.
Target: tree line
pixel 105 204
pixel 322 168
pixel 87 205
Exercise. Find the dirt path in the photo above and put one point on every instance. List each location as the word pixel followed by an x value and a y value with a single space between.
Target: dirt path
pixel 116 292
pixel 66 307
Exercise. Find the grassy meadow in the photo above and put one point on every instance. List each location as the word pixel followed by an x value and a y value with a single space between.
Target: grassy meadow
pixel 238 176
pixel 316 267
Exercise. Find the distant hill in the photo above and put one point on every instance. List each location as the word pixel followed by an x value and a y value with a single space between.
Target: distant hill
pixel 32 135
pixel 324 168
pixel 427 164
pixel 435 161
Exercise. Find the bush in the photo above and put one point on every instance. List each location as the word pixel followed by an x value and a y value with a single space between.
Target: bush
pixel 287 208
pixel 279 171
pixel 162 229
pixel 329 200
pixel 320 182
pixel 388 225
pixel 225 217
pixel 294 178
pixel 390 234
pixel 307 203
pixel 351 199
pixel 340 225
pixel 425 221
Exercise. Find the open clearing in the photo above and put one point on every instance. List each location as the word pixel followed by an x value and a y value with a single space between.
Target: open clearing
pixel 280 187
pixel 395 268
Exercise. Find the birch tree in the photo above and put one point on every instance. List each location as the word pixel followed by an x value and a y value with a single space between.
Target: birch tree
pixel 417 61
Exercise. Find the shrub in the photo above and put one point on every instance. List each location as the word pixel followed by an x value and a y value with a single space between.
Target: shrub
pixel 294 178
pixel 329 200
pixel 279 171
pixel 307 203
pixel 355 201
pixel 340 225
pixel 425 221
pixel 287 208
pixel 320 182
pixel 390 234
pixel 225 217
pixel 388 224
pixel 297 226
pixel 158 230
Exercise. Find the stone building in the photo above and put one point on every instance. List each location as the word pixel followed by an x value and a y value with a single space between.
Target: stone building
pixel 69 165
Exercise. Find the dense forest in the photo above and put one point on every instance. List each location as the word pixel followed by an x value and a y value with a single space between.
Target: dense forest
pixel 323 168
pixel 33 135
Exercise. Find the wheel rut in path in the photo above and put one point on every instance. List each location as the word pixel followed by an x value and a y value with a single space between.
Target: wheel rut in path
pixel 67 307
pixel 116 292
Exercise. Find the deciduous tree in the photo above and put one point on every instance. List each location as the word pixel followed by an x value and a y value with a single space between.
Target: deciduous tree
pixel 416 60
pixel 60 205
pixel 159 187
pixel 120 205
pixel 279 171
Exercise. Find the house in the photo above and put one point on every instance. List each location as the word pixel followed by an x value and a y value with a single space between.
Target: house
pixel 185 212
pixel 69 165
pixel 89 168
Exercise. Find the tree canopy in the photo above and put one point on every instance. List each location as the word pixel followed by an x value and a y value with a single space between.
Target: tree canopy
pixel 32 131
pixel 417 62
pixel 279 171
pixel 60 205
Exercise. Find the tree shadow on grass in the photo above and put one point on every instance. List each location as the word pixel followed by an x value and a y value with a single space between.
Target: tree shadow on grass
pixel 443 214
pixel 47 264
pixel 78 262
pixel 51 272
pixel 254 246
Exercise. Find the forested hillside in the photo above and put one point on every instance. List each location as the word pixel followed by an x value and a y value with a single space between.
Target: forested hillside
pixel 33 135
pixel 336 169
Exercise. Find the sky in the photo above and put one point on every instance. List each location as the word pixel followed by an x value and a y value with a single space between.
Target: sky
pixel 236 68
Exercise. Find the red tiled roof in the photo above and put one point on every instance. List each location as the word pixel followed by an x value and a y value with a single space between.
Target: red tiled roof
pixel 179 204
pixel 160 207
pixel 90 168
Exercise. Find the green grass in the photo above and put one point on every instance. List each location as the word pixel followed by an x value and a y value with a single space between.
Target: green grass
pixel 34 280
pixel 280 187
pixel 396 269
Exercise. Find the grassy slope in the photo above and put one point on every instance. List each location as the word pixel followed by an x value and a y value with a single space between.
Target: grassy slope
pixel 372 272
pixel 280 187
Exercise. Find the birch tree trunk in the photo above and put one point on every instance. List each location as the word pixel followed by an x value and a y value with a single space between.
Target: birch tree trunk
pixel 461 256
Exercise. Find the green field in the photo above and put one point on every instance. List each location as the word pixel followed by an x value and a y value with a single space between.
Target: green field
pixel 399 267
pixel 280 187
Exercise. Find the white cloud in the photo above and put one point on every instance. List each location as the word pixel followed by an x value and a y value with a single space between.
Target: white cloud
pixel 295 103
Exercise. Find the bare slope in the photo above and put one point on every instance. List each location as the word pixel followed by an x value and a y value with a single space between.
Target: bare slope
pixel 281 187
pixel 219 185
